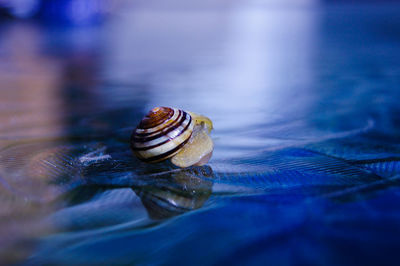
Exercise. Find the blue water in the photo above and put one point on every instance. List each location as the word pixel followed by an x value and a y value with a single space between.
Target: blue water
pixel 306 165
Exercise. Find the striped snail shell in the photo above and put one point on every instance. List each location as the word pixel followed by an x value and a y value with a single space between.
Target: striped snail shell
pixel 173 133
pixel 161 134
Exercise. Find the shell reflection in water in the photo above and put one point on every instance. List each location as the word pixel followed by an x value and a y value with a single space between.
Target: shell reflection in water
pixel 176 193
pixel 173 133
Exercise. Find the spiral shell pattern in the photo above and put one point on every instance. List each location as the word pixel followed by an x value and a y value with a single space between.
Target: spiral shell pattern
pixel 161 134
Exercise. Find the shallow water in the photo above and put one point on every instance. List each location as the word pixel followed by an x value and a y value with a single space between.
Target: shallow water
pixel 306 164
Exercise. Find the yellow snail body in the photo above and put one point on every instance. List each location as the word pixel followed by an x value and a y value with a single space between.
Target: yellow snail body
pixel 170 133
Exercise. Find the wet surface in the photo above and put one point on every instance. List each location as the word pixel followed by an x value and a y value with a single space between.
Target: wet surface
pixel 307 157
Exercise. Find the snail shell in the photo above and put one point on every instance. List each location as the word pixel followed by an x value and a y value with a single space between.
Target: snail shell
pixel 168 132
pixel 161 134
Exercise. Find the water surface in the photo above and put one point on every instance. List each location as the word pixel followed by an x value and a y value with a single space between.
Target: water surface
pixel 304 102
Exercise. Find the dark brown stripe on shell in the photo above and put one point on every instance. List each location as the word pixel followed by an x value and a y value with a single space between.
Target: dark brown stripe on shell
pixel 163 132
pixel 143 135
pixel 161 143
pixel 155 119
pixel 166 154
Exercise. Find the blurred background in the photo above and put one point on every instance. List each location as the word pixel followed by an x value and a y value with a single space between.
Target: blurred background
pixel 304 99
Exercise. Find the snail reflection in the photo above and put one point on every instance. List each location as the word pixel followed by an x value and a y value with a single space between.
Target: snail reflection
pixel 176 193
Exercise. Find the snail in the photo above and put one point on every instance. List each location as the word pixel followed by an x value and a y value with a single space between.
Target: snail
pixel 170 133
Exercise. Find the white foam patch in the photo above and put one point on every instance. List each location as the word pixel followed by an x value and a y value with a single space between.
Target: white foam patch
pixel 94 156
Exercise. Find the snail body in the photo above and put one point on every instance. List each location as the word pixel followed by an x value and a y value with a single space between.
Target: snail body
pixel 166 133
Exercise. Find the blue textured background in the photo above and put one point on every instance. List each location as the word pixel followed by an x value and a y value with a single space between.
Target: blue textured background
pixel 305 104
